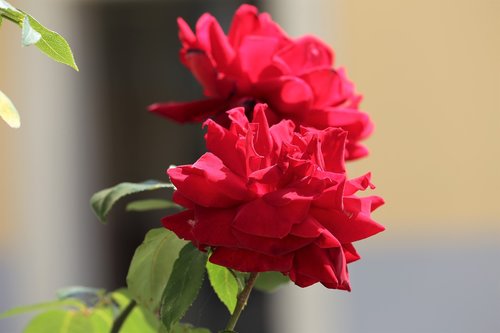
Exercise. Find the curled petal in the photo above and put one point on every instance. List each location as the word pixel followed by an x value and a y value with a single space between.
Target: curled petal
pixel 224 144
pixel 328 87
pixel 312 264
pixel 350 253
pixel 305 54
pixel 245 22
pixel 347 227
pixel 209 183
pixel 186 35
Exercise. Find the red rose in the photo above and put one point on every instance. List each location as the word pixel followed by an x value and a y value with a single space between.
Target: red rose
pixel 258 62
pixel 271 199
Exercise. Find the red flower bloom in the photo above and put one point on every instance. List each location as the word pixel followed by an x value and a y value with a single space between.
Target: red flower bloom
pixel 258 62
pixel 272 199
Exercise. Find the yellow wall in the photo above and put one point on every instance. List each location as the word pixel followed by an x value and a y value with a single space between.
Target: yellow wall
pixel 430 73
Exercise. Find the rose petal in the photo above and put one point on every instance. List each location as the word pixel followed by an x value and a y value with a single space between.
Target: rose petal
pixel 287 94
pixel 262 218
pixel 188 111
pixel 249 261
pixel 328 87
pixel 222 52
pixel 209 183
pixel 318 264
pixel 271 246
pixel 306 53
pixel 245 22
pixel 181 224
pixel 358 184
pixel 186 35
pixel 213 226
pixel 346 229
pixel 350 253
pixel 223 144
pixel 255 53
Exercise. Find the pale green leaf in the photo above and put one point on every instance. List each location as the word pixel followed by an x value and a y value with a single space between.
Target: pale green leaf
pixel 150 204
pixel 103 201
pixel 270 281
pixel 224 284
pixel 8 112
pixel 101 319
pixel 140 319
pixel 183 285
pixel 59 304
pixel 29 35
pixel 60 321
pixel 53 44
pixel 152 265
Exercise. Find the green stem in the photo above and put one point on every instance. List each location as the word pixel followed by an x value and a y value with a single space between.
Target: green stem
pixel 9 18
pixel 118 323
pixel 242 301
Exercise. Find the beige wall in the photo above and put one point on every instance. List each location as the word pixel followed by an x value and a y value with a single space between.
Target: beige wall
pixel 430 73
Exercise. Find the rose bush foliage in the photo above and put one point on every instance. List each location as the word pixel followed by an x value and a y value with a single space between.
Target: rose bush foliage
pixel 258 62
pixel 274 198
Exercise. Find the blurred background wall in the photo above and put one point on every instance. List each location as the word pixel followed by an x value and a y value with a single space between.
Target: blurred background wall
pixel 430 73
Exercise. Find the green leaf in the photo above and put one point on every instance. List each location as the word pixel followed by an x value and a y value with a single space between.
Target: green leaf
pixel 53 44
pixel 183 285
pixel 59 304
pixel 152 265
pixel 140 319
pixel 8 112
pixel 103 201
pixel 187 328
pixel 270 281
pixel 29 35
pixel 224 284
pixel 150 204
pixel 60 321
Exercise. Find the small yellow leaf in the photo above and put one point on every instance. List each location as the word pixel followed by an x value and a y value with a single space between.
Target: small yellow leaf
pixel 8 112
